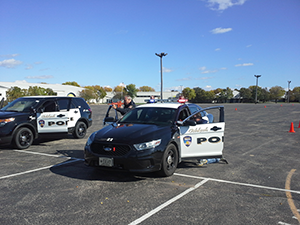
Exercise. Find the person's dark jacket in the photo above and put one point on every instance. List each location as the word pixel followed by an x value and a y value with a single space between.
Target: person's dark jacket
pixel 126 108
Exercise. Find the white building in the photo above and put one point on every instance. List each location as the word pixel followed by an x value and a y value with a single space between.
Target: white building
pixel 61 90
pixel 64 90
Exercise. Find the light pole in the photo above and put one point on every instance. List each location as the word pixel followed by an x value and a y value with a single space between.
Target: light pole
pixel 289 91
pixel 257 76
pixel 161 72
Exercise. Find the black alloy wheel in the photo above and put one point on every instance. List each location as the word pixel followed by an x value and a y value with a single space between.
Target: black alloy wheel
pixel 23 138
pixel 80 130
pixel 169 161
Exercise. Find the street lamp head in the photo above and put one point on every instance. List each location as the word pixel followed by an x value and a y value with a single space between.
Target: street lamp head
pixel 161 54
pixel 257 76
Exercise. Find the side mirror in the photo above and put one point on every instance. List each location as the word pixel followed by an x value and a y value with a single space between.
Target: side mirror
pixel 109 119
pixel 189 123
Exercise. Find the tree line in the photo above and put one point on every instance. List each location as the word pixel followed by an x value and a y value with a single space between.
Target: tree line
pixel 197 94
pixel 246 95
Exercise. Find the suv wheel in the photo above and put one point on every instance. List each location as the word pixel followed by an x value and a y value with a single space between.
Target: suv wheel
pixel 80 130
pixel 23 138
pixel 169 161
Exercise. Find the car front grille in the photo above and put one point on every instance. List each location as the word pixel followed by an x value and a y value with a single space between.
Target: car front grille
pixel 110 149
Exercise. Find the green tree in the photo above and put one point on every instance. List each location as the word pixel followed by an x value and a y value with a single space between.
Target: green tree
pixel 36 91
pixel 87 94
pixel 245 94
pixel 73 83
pixel 189 93
pixel 200 94
pixel 225 95
pixel 108 89
pixel 146 89
pixel 265 95
pixel 253 91
pixel 131 90
pixel 296 94
pixel 14 93
pixel 99 92
pixel 276 93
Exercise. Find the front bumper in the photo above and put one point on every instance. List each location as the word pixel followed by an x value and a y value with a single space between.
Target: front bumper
pixel 133 161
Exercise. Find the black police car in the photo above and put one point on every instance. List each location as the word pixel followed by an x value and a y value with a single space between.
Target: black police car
pixel 156 137
pixel 24 119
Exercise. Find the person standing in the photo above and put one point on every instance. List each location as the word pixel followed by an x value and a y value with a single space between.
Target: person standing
pixel 128 105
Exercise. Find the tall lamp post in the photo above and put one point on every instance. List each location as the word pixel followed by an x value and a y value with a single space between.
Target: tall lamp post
pixel 161 72
pixel 257 76
pixel 289 91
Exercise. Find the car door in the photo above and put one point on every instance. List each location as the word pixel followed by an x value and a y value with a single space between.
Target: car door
pixel 74 114
pixel 50 119
pixel 203 140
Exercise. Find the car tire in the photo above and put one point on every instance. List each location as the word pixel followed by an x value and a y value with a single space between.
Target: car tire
pixel 80 130
pixel 169 161
pixel 23 138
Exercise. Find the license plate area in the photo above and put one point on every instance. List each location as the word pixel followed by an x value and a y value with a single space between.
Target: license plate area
pixel 109 162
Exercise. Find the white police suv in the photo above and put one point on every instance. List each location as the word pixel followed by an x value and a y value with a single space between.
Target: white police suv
pixel 27 118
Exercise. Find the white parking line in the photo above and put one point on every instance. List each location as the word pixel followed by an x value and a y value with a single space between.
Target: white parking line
pixel 45 154
pixel 238 183
pixel 42 168
pixel 157 209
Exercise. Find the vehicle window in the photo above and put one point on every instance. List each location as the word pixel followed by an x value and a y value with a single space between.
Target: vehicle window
pixel 159 116
pixel 63 104
pixel 49 106
pixel 183 114
pixel 79 102
pixel 20 105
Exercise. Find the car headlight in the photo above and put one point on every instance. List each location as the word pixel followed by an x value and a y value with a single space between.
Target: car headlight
pixel 147 145
pixel 5 121
pixel 91 138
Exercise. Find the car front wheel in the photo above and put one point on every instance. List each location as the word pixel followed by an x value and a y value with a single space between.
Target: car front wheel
pixel 80 130
pixel 169 161
pixel 23 138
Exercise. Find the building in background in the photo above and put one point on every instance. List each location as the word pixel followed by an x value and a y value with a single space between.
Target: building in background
pixel 61 90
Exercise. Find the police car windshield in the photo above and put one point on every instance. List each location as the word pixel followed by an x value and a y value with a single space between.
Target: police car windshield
pixel 20 105
pixel 150 115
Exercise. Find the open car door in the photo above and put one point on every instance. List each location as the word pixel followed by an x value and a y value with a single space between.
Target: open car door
pixel 203 140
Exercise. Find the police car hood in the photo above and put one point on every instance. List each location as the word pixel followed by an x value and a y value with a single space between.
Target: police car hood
pixel 132 133
pixel 8 114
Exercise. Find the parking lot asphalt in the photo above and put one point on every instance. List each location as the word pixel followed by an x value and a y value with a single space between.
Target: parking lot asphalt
pixel 49 184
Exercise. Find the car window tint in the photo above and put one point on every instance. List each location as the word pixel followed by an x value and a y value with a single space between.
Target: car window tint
pixel 159 116
pixel 63 104
pixel 48 106
pixel 183 114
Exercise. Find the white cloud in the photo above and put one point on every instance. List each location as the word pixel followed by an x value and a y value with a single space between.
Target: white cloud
pixel 166 70
pixel 29 67
pixel 244 64
pixel 202 68
pixel 9 55
pixel 209 71
pixel 10 63
pixel 217 49
pixel 248 46
pixel 220 30
pixel 40 77
pixel 221 5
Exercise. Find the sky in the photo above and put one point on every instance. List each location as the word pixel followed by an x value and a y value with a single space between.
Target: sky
pixel 209 43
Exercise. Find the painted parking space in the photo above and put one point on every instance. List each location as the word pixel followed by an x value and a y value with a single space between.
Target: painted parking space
pixel 250 189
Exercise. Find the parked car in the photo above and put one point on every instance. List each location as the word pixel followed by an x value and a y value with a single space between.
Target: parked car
pixel 156 137
pixel 25 119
